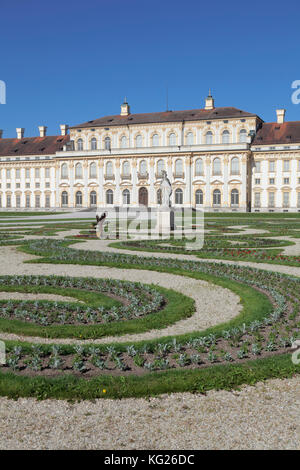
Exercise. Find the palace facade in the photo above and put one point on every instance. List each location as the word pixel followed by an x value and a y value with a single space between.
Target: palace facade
pixel 217 159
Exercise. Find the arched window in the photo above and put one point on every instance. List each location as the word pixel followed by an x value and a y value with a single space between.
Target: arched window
pixel 126 168
pixel 160 167
pixel 138 141
pixel 109 196
pixel 199 167
pixel 155 140
pixel 243 135
pixel 126 196
pixel 93 198
pixel 189 138
pixel 199 196
pixel 107 143
pixel 172 139
pixel 217 197
pixel 178 167
pixel 64 170
pixel 78 170
pixel 64 198
pixel 143 167
pixel 93 170
pixel 109 169
pixel 234 197
pixel 217 166
pixel 94 143
pixel 225 137
pixel 178 196
pixel 79 144
pixel 209 138
pixel 123 142
pixel 78 197
pixel 235 166
pixel 158 196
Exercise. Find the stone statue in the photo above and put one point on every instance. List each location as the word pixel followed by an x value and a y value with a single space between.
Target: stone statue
pixel 100 224
pixel 166 190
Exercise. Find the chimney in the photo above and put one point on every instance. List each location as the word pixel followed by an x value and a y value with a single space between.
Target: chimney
pixel 42 130
pixel 20 132
pixel 209 102
pixel 1 133
pixel 280 115
pixel 125 108
pixel 64 129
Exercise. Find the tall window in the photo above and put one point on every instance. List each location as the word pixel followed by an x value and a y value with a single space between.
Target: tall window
pixel 243 135
pixel 286 165
pixel 47 172
pixel 155 140
pixel 272 199
pixel 178 196
pixel 79 144
pixel 37 200
pixel 138 141
pixel 93 198
pixel 256 199
pixel 160 167
pixel 272 166
pixel 217 166
pixel 64 170
pixel 217 197
pixel 109 168
pixel 189 138
pixel 18 201
pixel 27 173
pixel 126 196
pixel 143 167
pixel 225 137
pixel 18 173
pixel 27 201
pixel 126 168
pixel 209 137
pixel 235 166
pixel 123 142
pixel 109 196
pixel 178 168
pixel 93 170
pixel 234 197
pixel 94 143
pixel 199 196
pixel 37 172
pixel 257 166
pixel 78 198
pixel 107 143
pixel 199 167
pixel 286 199
pixel 172 139
pixel 78 170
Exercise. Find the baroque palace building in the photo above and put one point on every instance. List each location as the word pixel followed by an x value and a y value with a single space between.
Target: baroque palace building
pixel 217 159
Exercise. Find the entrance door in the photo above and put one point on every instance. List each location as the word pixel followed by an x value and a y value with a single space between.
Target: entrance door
pixel 143 196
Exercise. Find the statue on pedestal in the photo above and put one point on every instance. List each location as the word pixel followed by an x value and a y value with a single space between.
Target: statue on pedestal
pixel 100 224
pixel 166 190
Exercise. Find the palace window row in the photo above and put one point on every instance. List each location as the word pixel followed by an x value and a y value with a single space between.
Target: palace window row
pixel 156 140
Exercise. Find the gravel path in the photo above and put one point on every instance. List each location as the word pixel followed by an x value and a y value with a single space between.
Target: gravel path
pixel 265 416
pixel 214 304
pixel 24 296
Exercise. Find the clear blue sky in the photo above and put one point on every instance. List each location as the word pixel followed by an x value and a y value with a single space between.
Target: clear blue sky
pixel 71 61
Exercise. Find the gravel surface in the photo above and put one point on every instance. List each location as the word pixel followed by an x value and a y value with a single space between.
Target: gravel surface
pixel 24 296
pixel 265 416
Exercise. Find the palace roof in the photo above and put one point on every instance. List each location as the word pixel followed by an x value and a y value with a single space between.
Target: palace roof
pixel 33 145
pixel 166 116
pixel 274 133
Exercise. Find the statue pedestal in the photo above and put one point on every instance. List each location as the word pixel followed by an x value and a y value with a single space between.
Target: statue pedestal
pixel 165 221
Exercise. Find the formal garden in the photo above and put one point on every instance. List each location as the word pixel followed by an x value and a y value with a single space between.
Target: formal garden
pixel 69 336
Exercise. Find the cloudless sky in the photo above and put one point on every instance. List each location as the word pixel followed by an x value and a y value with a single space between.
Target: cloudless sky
pixel 71 61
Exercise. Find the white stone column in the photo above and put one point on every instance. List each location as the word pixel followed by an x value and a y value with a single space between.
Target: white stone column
pixel 208 202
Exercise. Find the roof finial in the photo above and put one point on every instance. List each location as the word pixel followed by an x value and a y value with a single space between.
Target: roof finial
pixel 125 100
pixel 209 93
